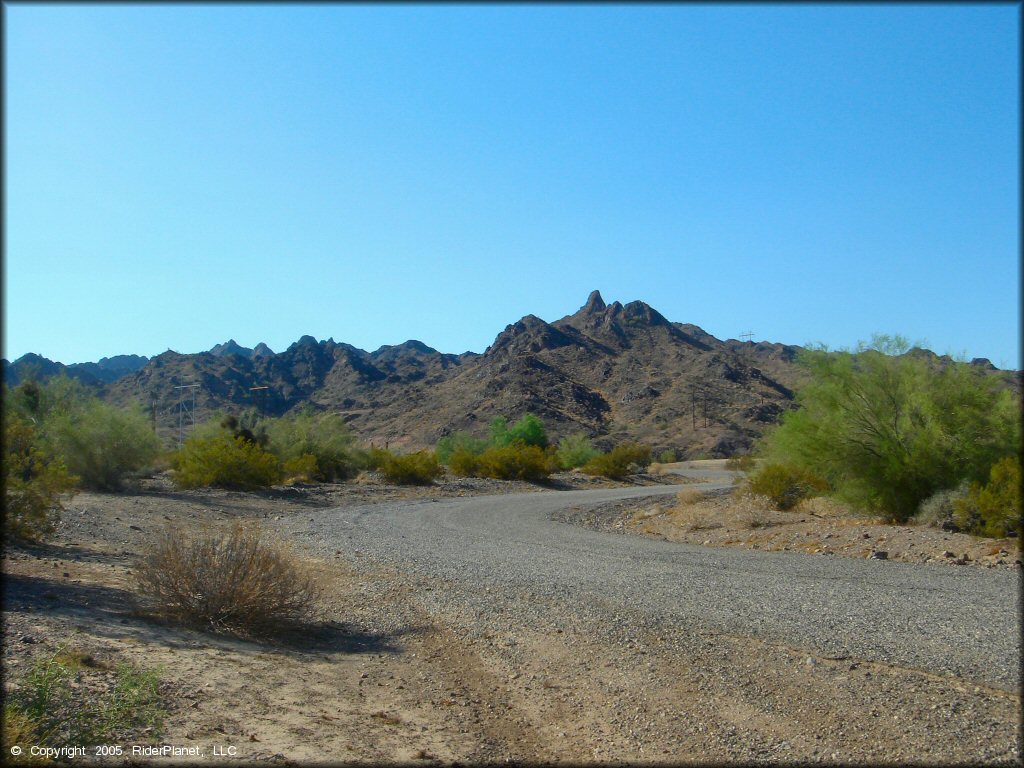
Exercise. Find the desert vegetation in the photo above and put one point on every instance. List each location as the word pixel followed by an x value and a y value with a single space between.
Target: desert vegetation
pixel 895 434
pixel 72 698
pixel 241 580
pixel 522 452
pixel 620 461
pixel 58 437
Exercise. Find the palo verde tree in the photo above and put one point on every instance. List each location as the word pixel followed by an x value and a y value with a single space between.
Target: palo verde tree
pixel 887 429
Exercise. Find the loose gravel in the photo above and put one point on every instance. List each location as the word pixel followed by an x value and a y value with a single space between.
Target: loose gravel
pixel 504 562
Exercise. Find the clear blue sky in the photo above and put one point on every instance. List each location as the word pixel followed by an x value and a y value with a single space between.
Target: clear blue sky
pixel 178 175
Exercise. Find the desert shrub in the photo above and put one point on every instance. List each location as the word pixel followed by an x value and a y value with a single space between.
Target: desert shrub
pixel 889 429
pixel 938 509
pixel 420 468
pixel 742 463
pixel 620 461
pixel 302 468
pixel 242 580
pixel 459 441
pixel 326 437
pixel 517 462
pixel 529 430
pixel 786 484
pixel 668 456
pixel 375 458
pixel 102 444
pixel 575 451
pixel 464 463
pixel 223 461
pixel 689 496
pixel 34 480
pixel 993 509
pixel 69 698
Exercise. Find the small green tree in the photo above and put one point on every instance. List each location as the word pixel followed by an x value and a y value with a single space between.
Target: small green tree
pixel 575 451
pixel 499 432
pixel 101 443
pixel 459 441
pixel 529 430
pixel 887 429
pixel 34 480
pixel 326 437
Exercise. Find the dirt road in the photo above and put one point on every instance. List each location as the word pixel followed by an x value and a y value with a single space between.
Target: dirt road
pixel 479 629
pixel 959 622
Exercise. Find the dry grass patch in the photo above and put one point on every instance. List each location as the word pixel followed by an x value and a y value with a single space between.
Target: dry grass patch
pixel 241 580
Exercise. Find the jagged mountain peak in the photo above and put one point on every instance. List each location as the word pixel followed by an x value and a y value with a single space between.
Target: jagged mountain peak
pixel 594 303
pixel 262 350
pixel 231 347
pixel 528 335
pixel 639 311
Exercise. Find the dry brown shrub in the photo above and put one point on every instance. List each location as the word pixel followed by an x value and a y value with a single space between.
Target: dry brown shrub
pixel 688 497
pixel 753 518
pixel 241 580
pixel 823 506
pixel 750 511
pixel 695 517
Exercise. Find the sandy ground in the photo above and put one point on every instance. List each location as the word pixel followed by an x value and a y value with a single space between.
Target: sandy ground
pixel 378 680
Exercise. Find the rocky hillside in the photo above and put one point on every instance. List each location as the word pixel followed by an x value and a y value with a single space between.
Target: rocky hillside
pixel 614 371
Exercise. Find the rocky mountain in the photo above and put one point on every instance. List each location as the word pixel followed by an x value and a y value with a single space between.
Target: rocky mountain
pixel 231 347
pixel 108 369
pixel 615 371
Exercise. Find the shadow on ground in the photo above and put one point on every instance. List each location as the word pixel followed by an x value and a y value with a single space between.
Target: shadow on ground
pixel 119 615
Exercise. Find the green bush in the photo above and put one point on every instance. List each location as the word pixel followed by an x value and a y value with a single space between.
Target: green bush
pixel 459 441
pixel 575 451
pixel 464 463
pixel 889 429
pixel 224 461
pixel 529 430
pixel 34 480
pixel 517 462
pixel 420 468
pixel 786 484
pixel 325 437
pixel 302 468
pixel 102 444
pixel 620 461
pixel 993 509
pixel 668 456
pixel 742 463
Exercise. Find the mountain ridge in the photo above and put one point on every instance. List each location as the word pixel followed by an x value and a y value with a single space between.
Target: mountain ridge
pixel 614 371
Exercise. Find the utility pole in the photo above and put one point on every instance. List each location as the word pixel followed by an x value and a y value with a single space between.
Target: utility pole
pixel 746 336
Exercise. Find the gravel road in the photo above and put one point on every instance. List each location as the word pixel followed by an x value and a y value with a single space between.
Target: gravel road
pixel 501 562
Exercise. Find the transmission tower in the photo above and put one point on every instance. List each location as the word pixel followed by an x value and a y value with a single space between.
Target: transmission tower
pixel 186 410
